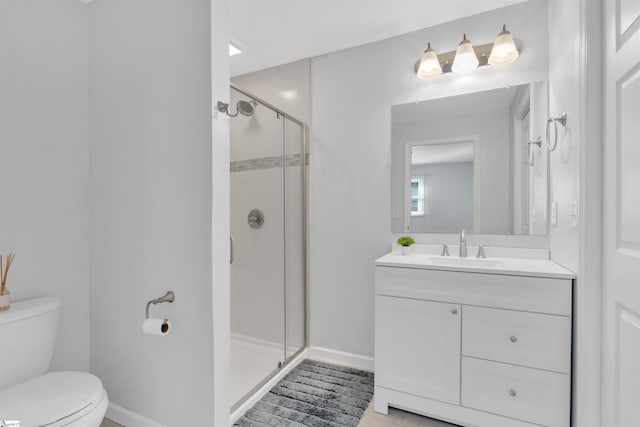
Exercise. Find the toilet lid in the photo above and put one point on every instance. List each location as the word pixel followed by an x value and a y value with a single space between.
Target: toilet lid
pixel 50 397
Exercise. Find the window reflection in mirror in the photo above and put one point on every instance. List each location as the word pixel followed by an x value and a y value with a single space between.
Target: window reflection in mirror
pixel 466 162
pixel 417 195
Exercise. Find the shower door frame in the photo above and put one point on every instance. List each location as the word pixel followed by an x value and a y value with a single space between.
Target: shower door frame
pixel 303 163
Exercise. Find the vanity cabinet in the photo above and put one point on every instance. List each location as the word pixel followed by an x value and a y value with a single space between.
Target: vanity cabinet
pixel 409 329
pixel 474 349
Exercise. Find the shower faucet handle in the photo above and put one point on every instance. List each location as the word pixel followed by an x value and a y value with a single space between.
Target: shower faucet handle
pixel 255 218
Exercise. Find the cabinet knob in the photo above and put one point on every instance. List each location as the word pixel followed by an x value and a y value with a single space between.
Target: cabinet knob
pixel 514 339
pixel 512 393
pixel 454 310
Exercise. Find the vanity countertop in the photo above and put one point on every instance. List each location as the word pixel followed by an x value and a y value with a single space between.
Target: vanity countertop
pixel 490 265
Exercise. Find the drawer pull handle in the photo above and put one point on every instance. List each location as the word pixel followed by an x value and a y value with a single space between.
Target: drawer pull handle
pixel 512 393
pixel 514 339
pixel 454 310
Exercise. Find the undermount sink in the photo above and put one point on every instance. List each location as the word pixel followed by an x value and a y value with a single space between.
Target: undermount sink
pixel 464 262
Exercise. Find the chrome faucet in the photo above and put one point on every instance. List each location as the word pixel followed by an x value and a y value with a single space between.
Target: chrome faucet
pixel 463 245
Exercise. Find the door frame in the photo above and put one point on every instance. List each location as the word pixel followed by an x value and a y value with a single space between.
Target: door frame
pixel 588 304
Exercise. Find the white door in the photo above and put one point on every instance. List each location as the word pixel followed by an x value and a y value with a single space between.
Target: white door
pixel 418 347
pixel 621 340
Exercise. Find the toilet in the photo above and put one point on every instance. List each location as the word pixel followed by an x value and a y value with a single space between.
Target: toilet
pixel 28 393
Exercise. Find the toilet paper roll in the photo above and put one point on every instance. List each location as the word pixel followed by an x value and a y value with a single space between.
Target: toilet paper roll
pixel 156 326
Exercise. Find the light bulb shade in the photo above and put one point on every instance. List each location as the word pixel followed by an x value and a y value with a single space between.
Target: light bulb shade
pixel 504 49
pixel 429 65
pixel 466 58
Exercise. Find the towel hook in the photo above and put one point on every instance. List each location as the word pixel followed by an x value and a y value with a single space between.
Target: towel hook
pixel 168 297
pixel 563 121
pixel 537 142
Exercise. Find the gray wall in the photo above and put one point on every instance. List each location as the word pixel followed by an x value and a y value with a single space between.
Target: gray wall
pixel 575 169
pixel 106 190
pixel 350 169
pixel 448 198
pixel 44 162
pixel 151 217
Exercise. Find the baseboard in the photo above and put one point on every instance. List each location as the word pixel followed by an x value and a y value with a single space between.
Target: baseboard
pixel 341 358
pixel 129 418
pixel 235 416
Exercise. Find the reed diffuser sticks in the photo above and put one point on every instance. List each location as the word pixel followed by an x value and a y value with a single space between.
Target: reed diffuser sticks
pixel 4 271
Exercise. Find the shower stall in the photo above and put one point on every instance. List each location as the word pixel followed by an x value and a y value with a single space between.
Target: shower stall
pixel 268 242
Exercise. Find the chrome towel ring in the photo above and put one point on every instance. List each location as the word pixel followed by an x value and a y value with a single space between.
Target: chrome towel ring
pixel 563 121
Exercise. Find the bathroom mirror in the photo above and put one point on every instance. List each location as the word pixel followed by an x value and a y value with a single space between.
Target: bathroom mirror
pixel 472 162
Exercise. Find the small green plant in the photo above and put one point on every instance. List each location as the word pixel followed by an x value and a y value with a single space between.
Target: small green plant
pixel 406 241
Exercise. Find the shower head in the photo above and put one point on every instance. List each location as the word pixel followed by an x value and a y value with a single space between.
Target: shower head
pixel 246 108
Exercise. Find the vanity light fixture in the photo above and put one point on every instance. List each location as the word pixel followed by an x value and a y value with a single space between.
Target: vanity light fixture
pixel 504 49
pixel 429 64
pixel 467 57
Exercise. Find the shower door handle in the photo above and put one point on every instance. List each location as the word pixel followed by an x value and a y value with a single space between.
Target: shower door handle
pixel 230 250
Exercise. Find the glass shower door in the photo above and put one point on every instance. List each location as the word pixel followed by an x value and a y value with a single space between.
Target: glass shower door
pixel 268 277
pixel 258 240
pixel 294 226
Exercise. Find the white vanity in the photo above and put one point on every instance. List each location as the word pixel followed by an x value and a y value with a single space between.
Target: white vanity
pixel 476 342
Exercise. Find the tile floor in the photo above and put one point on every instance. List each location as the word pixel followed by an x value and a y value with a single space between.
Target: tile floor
pixel 396 418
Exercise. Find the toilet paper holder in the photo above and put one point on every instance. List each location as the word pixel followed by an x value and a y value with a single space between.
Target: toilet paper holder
pixel 168 297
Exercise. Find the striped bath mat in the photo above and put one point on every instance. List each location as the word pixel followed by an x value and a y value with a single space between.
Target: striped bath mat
pixel 314 394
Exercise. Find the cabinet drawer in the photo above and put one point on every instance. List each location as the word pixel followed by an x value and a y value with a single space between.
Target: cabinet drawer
pixel 528 339
pixel 535 294
pixel 526 394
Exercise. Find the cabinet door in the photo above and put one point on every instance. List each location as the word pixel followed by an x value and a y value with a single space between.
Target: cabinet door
pixel 418 347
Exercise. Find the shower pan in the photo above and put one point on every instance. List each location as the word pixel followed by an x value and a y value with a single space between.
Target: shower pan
pixel 268 247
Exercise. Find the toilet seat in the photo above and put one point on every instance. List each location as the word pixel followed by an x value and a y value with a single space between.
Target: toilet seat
pixel 52 400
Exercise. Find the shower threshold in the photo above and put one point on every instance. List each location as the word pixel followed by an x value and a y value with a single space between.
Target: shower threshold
pixel 256 393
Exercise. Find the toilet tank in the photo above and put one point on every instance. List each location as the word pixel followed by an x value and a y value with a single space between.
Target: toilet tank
pixel 27 338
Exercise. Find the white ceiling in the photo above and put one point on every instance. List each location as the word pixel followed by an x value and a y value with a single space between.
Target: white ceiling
pixel 275 32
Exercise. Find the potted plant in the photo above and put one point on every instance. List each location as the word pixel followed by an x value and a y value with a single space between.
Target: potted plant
pixel 4 292
pixel 405 243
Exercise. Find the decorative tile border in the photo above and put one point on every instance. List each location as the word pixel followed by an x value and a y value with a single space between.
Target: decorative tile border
pixel 289 160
